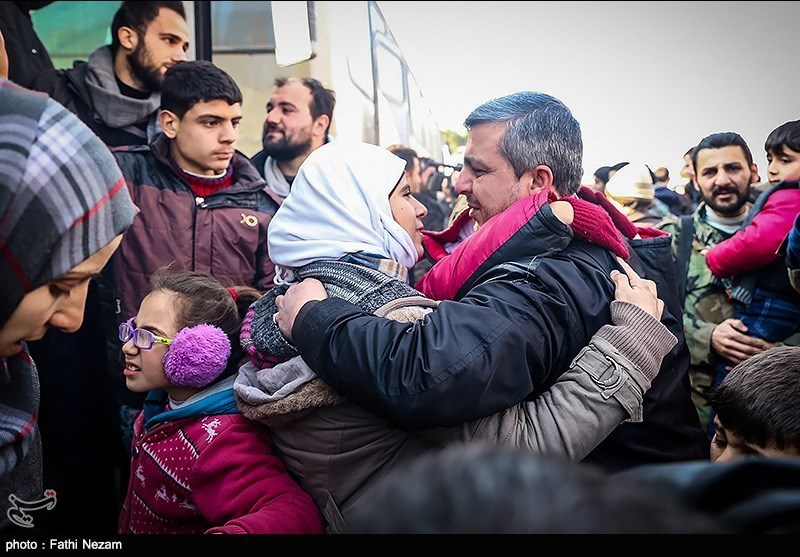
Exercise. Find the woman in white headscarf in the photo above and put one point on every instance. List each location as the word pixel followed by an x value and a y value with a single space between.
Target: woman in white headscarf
pixel 351 222
pixel 63 209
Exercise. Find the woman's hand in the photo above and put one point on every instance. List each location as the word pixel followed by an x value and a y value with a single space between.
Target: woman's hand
pixel 289 304
pixel 636 290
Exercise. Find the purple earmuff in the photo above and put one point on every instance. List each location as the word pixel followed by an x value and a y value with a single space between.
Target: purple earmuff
pixel 197 356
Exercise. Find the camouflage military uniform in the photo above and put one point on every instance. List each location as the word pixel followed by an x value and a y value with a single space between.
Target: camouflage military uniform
pixel 706 305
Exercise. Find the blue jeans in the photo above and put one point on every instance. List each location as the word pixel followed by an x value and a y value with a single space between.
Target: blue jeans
pixel 768 317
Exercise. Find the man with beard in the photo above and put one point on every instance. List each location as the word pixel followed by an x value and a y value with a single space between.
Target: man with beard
pixel 85 406
pixel 299 114
pixel 724 171
pixel 117 92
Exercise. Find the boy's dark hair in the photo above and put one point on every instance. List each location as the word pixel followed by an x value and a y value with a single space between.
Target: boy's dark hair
pixel 406 153
pixel 785 135
pixel 323 100
pixel 137 16
pixel 203 299
pixel 758 400
pixel 188 83
pixel 720 140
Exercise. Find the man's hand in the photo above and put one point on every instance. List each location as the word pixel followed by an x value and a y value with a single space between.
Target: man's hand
pixel 731 341
pixel 636 290
pixel 289 304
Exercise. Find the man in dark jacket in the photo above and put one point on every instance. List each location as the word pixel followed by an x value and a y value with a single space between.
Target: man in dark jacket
pixel 519 324
pixel 117 91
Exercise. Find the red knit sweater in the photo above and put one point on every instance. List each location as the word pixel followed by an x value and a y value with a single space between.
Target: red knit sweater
pixel 212 474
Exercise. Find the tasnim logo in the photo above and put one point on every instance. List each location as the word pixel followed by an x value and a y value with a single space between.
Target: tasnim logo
pixel 16 513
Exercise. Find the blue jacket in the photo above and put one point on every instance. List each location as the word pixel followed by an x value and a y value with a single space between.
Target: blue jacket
pixel 793 254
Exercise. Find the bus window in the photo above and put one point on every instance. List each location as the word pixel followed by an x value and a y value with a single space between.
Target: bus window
pixel 390 73
pixel 243 27
pixel 425 136
pixel 73 30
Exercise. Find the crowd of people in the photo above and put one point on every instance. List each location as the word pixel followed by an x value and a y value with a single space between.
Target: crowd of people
pixel 311 340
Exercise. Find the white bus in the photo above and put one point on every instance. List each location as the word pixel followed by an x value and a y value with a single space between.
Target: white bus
pixel 348 46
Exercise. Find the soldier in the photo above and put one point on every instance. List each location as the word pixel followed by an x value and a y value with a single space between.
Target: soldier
pixel 724 172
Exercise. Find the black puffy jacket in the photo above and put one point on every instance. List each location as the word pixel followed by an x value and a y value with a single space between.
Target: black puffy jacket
pixel 507 339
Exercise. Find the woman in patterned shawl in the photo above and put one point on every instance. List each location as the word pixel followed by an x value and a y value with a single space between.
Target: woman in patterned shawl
pixel 63 209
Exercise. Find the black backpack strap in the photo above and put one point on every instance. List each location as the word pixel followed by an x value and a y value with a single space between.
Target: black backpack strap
pixel 684 253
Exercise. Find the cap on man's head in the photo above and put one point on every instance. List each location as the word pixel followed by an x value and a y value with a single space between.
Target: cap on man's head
pixel 631 182
pixel 602 173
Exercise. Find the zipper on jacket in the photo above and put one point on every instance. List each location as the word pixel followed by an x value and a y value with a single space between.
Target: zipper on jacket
pixel 198 202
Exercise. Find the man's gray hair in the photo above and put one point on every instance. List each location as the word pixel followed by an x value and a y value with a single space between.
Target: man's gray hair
pixel 540 130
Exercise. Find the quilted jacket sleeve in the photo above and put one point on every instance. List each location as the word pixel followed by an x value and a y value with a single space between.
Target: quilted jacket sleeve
pixel 757 245
pixel 603 387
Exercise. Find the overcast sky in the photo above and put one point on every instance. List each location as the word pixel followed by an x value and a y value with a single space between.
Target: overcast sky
pixel 646 80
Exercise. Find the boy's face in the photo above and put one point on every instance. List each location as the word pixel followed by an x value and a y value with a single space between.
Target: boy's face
pixel 783 164
pixel 688 167
pixel 727 446
pixel 204 140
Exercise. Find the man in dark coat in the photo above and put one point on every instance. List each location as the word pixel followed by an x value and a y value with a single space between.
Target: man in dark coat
pixel 520 322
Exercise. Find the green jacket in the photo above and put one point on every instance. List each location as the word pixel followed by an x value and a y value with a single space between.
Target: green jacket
pixel 706 303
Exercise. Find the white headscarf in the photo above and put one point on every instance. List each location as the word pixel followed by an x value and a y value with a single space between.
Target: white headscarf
pixel 339 204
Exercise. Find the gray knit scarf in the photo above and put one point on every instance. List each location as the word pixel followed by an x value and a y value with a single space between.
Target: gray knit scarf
pixel 111 106
pixel 364 286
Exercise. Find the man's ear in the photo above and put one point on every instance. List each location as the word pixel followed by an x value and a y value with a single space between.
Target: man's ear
pixel 170 123
pixel 128 39
pixel 754 177
pixel 320 125
pixel 538 179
